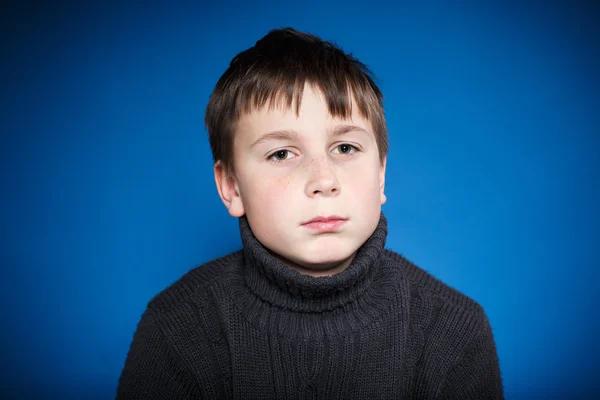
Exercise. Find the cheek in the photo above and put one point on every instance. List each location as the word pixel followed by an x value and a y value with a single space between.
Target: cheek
pixel 271 192
pixel 362 180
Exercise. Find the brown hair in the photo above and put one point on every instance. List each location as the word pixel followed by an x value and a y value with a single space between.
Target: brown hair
pixel 275 70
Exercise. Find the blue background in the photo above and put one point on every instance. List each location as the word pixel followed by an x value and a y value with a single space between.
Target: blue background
pixel 107 193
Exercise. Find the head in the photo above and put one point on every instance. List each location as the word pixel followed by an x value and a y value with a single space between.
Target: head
pixel 297 131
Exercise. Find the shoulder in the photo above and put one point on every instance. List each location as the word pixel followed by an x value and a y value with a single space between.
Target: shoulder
pixel 194 285
pixel 443 322
pixel 175 336
pixel 424 287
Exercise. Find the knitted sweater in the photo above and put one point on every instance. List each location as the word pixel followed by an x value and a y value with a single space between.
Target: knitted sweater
pixel 246 327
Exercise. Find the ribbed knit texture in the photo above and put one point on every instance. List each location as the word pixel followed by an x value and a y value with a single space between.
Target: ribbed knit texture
pixel 246 327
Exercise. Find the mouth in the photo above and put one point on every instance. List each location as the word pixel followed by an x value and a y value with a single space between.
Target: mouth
pixel 325 224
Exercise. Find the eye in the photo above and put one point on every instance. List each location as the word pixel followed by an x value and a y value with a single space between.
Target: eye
pixel 280 155
pixel 345 148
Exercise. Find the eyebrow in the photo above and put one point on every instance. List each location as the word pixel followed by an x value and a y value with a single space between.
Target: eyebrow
pixel 294 135
pixel 343 129
pixel 276 135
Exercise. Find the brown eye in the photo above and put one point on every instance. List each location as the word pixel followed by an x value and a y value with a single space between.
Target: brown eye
pixel 280 155
pixel 346 149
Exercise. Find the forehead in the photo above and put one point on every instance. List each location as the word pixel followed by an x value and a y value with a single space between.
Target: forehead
pixel 311 115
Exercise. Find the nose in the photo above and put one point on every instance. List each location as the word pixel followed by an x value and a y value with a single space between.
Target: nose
pixel 322 179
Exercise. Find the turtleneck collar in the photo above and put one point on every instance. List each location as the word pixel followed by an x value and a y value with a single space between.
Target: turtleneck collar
pixel 284 287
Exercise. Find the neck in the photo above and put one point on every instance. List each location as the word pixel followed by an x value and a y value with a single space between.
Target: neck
pixel 316 271
pixel 272 295
pixel 302 289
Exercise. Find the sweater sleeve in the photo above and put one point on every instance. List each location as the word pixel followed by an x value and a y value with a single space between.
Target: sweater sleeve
pixel 477 373
pixel 152 369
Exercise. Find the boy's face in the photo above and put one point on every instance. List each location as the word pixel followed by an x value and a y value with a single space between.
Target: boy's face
pixel 291 169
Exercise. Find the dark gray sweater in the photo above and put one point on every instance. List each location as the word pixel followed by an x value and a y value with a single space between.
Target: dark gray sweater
pixel 246 327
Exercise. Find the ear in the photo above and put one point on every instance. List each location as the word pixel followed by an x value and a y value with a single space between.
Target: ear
pixel 229 190
pixel 382 181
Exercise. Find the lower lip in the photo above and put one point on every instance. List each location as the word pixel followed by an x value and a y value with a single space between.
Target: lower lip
pixel 326 226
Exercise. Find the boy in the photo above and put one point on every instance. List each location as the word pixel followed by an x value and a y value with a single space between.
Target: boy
pixel 313 306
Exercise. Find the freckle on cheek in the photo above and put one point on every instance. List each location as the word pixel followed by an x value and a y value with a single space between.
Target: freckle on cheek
pixel 277 183
pixel 289 180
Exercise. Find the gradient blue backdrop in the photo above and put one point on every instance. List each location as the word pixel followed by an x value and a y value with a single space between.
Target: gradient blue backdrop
pixel 108 194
